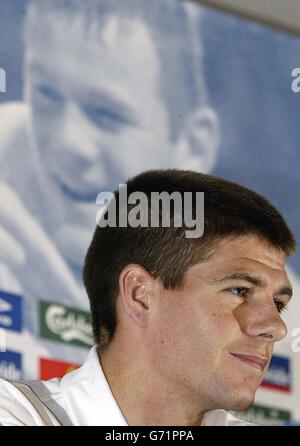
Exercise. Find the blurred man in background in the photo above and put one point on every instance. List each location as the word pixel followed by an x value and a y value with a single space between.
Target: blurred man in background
pixel 111 88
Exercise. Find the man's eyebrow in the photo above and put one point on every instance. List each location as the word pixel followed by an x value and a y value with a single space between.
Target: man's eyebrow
pixel 112 98
pixel 254 280
pixel 285 290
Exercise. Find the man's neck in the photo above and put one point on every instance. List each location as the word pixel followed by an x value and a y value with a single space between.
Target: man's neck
pixel 65 221
pixel 146 398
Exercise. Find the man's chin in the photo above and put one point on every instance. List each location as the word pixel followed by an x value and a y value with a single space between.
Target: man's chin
pixel 235 396
pixel 241 406
pixel 241 401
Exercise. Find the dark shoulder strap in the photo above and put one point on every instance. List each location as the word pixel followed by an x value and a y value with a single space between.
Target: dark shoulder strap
pixel 48 417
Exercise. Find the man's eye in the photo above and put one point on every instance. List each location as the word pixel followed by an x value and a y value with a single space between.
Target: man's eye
pixel 239 291
pixel 281 306
pixel 49 93
pixel 104 118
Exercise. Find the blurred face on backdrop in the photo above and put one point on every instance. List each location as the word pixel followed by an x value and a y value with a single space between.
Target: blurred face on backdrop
pixel 98 114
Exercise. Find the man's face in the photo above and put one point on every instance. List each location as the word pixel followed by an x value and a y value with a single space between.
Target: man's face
pixel 215 336
pixel 97 113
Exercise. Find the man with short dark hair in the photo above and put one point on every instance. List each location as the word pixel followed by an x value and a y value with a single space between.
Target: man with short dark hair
pixel 184 327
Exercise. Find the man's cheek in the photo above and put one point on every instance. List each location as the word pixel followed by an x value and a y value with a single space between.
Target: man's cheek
pixel 44 136
pixel 221 331
pixel 226 321
pixel 42 123
pixel 210 321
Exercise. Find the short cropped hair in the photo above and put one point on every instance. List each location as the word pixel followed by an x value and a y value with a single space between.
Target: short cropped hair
pixel 174 26
pixel 230 210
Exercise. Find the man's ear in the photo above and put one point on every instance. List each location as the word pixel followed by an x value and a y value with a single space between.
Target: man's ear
pixel 197 145
pixel 135 286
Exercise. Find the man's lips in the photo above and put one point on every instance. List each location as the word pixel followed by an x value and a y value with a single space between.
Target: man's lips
pixel 257 362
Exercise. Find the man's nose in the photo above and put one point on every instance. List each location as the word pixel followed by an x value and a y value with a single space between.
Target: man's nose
pixel 264 321
pixel 75 133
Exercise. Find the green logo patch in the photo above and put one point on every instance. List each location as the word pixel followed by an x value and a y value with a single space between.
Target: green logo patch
pixel 265 416
pixel 65 324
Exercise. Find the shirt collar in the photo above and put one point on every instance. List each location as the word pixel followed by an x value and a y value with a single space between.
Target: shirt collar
pixel 88 398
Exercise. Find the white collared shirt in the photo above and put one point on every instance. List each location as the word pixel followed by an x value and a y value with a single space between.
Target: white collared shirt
pixel 81 398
